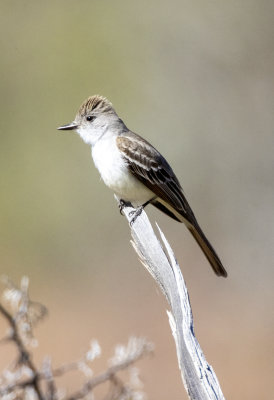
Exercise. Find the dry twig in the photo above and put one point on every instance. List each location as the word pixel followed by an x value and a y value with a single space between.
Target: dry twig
pixel 23 380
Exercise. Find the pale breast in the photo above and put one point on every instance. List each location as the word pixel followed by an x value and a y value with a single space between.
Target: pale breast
pixel 114 172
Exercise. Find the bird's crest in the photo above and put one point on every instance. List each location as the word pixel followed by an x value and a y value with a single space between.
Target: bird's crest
pixel 95 103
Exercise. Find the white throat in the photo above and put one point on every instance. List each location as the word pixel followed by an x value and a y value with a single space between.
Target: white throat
pixel 92 135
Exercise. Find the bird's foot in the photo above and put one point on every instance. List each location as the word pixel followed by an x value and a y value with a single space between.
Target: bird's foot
pixel 123 204
pixel 135 213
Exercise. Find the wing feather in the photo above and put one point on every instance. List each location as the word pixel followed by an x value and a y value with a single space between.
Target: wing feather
pixel 150 167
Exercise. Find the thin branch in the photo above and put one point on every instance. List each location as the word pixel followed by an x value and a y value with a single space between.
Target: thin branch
pixel 24 355
pixel 110 373
pixel 51 387
pixel 137 349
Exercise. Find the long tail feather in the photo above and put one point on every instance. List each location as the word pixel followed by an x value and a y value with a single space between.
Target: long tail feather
pixel 208 250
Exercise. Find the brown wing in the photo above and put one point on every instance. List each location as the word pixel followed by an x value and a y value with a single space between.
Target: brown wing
pixel 150 167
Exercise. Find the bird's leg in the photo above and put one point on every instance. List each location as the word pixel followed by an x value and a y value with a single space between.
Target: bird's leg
pixel 138 211
pixel 123 204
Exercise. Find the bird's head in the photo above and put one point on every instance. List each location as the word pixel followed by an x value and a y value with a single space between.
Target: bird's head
pixel 95 116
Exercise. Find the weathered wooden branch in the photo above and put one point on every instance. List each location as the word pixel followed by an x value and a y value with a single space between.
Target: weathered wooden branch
pixel 198 376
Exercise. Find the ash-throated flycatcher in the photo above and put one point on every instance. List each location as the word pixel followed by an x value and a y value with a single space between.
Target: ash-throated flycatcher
pixel 135 170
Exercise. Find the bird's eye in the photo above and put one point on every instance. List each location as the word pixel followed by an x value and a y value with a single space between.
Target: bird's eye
pixel 90 118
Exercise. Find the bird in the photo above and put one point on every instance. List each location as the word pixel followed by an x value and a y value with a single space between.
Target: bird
pixel 135 170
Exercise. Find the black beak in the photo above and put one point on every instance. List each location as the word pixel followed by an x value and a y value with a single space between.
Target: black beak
pixel 68 127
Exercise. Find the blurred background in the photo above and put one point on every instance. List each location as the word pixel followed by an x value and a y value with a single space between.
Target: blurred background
pixel 196 80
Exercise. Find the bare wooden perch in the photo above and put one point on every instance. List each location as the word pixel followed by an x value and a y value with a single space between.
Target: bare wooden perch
pixel 198 376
